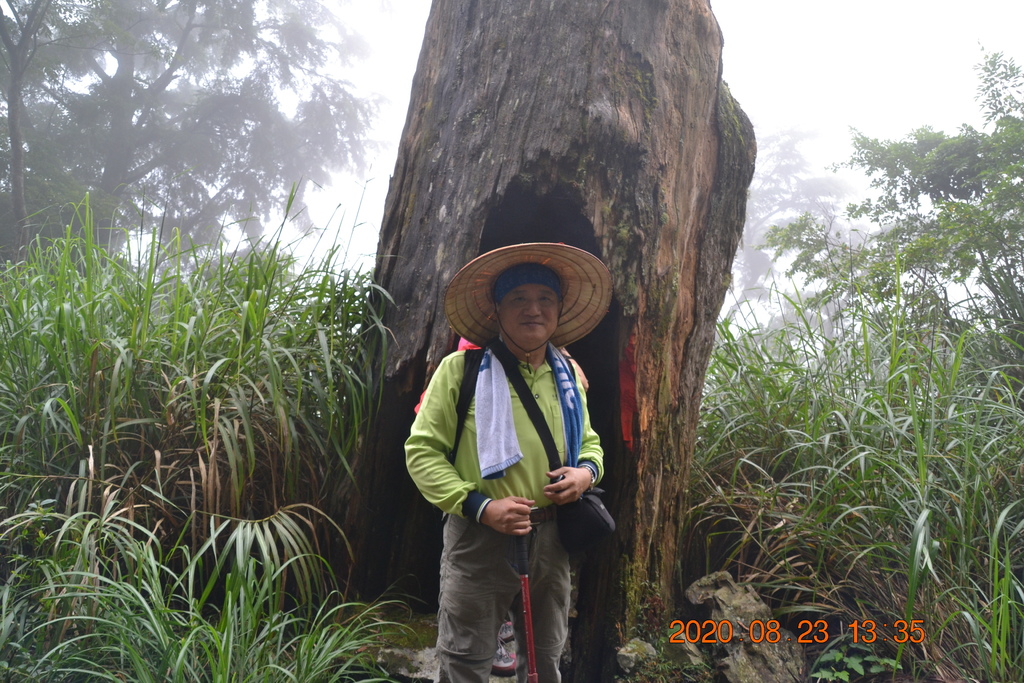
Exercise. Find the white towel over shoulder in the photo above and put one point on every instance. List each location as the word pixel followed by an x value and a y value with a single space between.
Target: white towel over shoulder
pixel 496 441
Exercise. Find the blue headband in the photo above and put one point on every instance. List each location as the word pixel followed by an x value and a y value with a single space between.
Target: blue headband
pixel 526 274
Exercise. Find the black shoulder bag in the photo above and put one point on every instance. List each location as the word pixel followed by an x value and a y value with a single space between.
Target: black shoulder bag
pixel 582 523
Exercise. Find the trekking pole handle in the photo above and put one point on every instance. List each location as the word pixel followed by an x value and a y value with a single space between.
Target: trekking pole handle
pixel 522 554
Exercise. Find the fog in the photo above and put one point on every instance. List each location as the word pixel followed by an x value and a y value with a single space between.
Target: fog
pixel 814 69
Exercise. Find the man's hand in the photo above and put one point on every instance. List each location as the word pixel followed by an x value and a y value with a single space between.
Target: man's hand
pixel 509 515
pixel 574 483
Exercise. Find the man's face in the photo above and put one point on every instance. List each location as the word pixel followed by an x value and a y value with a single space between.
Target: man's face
pixel 528 315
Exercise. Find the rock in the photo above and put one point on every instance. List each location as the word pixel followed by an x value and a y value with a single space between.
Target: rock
pixel 740 660
pixel 410 664
pixel 417 662
pixel 684 654
pixel 632 653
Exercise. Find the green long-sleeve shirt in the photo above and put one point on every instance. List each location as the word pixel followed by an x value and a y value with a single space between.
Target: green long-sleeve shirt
pixel 433 434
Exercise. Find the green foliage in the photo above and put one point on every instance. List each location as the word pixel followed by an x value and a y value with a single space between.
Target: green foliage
pixel 175 426
pixel 949 208
pixel 672 663
pixel 861 458
pixel 662 670
pixel 1002 88
pixel 191 385
pixel 838 663
pixel 864 467
pixel 827 256
pixel 95 597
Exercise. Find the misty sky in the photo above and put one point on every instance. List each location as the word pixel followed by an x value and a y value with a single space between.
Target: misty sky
pixel 884 67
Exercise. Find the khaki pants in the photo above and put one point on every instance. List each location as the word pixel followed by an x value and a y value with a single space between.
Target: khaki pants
pixel 479 586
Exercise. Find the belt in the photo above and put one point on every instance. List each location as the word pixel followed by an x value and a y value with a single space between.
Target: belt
pixel 544 514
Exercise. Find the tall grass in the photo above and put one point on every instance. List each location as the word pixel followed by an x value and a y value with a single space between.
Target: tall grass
pixel 96 597
pixel 868 469
pixel 194 384
pixel 175 426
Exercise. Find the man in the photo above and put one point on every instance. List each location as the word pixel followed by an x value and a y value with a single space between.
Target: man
pixel 532 298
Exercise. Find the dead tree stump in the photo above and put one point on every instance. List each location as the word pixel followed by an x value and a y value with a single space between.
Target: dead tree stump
pixel 601 124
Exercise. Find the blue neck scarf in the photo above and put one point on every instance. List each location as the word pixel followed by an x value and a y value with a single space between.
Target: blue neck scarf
pixel 571 402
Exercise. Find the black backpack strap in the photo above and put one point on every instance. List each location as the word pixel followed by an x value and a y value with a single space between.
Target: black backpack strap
pixel 466 392
pixel 511 365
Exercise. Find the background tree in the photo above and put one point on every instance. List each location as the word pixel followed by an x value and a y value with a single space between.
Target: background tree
pixel 602 125
pixel 19 36
pixel 783 190
pixel 949 213
pixel 202 113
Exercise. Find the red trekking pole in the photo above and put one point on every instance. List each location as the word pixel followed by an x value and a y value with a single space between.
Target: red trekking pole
pixel 523 567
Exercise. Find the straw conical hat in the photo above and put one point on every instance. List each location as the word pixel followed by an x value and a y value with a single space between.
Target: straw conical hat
pixel 586 290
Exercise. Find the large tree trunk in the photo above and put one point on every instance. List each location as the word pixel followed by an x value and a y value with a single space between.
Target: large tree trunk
pixel 602 124
pixel 19 40
pixel 16 136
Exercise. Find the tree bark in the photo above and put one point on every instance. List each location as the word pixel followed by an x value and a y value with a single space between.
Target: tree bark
pixel 19 38
pixel 602 124
pixel 15 107
pixel 120 148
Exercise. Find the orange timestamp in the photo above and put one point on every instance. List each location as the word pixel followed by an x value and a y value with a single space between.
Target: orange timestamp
pixel 723 631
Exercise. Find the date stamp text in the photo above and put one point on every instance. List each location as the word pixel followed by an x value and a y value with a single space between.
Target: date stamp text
pixel 723 631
